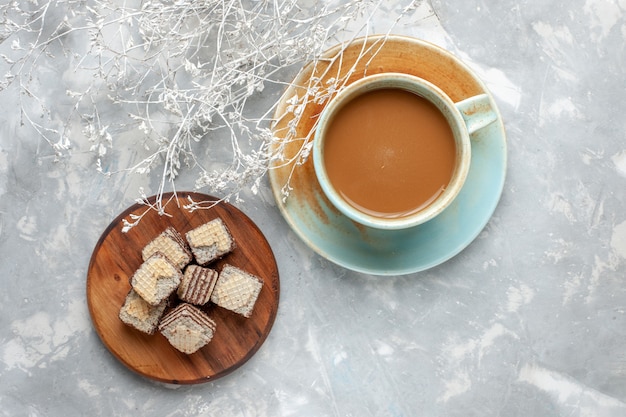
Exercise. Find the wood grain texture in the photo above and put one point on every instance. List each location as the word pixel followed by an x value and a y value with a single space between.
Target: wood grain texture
pixel 117 255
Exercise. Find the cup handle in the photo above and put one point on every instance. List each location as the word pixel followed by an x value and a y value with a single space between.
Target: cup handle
pixel 477 112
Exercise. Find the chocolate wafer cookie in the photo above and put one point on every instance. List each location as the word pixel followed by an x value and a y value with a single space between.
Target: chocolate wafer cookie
pixel 210 241
pixel 187 328
pixel 155 279
pixel 137 313
pixel 171 244
pixel 236 290
pixel 197 285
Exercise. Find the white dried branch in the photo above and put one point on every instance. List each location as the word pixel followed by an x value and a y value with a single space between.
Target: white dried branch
pixel 181 73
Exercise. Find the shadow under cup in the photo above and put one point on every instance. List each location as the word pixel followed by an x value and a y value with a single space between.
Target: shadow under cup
pixel 390 136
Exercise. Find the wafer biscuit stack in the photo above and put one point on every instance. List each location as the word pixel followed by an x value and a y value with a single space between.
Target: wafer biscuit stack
pixel 187 328
pixel 236 290
pixel 171 244
pixel 210 241
pixel 156 279
pixel 159 284
pixel 197 285
pixel 142 316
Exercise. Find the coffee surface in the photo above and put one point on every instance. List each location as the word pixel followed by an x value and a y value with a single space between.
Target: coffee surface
pixel 389 153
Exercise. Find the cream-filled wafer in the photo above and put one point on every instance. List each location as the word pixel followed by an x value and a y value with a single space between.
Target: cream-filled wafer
pixel 210 241
pixel 137 313
pixel 156 278
pixel 197 284
pixel 236 290
pixel 171 244
pixel 187 328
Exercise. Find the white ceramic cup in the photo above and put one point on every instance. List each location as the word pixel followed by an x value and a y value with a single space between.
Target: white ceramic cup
pixel 464 118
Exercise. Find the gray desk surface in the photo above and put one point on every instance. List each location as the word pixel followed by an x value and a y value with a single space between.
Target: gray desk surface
pixel 529 320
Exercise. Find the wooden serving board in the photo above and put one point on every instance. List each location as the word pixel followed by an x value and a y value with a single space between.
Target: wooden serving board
pixel 116 257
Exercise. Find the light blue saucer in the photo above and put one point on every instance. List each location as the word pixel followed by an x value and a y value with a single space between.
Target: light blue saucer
pixel 388 252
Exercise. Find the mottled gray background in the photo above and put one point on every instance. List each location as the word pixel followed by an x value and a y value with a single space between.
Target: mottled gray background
pixel 529 320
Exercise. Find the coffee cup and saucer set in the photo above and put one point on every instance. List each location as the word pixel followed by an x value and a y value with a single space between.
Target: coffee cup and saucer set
pixel 393 155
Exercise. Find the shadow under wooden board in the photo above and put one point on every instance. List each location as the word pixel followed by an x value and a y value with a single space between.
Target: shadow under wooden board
pixel 116 257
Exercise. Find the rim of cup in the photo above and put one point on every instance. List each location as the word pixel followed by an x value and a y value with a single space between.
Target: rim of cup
pixel 424 89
